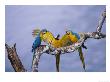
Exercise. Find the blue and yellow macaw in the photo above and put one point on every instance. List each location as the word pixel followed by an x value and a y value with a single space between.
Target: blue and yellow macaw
pixel 38 39
pixel 74 37
pixel 48 37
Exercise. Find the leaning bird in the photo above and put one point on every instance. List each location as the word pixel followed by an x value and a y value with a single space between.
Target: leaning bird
pixel 37 42
pixel 74 37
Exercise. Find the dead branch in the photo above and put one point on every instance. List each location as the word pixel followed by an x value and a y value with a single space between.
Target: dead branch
pixel 14 59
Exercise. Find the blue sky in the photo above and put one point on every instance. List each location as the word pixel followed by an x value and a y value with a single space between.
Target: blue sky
pixel 21 20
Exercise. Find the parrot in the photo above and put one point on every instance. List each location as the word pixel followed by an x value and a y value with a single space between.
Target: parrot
pixel 74 37
pixel 38 39
pixel 55 42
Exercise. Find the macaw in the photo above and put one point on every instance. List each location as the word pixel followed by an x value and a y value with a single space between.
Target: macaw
pixel 38 39
pixel 74 37
pixel 48 37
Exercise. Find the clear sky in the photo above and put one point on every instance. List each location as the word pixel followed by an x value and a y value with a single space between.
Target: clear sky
pixel 21 20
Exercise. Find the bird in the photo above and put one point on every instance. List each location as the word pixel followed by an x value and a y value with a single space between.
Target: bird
pixel 74 37
pixel 37 42
pixel 55 42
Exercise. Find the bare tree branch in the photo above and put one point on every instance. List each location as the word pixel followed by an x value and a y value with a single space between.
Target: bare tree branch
pixel 101 21
pixel 36 57
pixel 14 59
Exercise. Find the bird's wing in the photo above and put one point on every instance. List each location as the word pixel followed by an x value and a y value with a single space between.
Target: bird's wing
pixel 65 41
pixel 36 43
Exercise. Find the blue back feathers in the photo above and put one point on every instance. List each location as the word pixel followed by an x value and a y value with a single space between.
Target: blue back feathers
pixel 36 43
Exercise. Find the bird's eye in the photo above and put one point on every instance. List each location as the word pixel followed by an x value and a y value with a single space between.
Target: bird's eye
pixel 44 32
pixel 67 32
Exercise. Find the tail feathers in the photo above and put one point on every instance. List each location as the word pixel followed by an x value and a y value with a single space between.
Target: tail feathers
pixel 57 61
pixel 81 57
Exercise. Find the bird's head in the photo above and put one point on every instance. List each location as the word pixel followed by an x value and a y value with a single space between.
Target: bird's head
pixel 45 35
pixel 68 32
pixel 43 32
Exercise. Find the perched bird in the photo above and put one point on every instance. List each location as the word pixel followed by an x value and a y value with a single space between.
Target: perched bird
pixel 74 37
pixel 38 39
pixel 55 42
